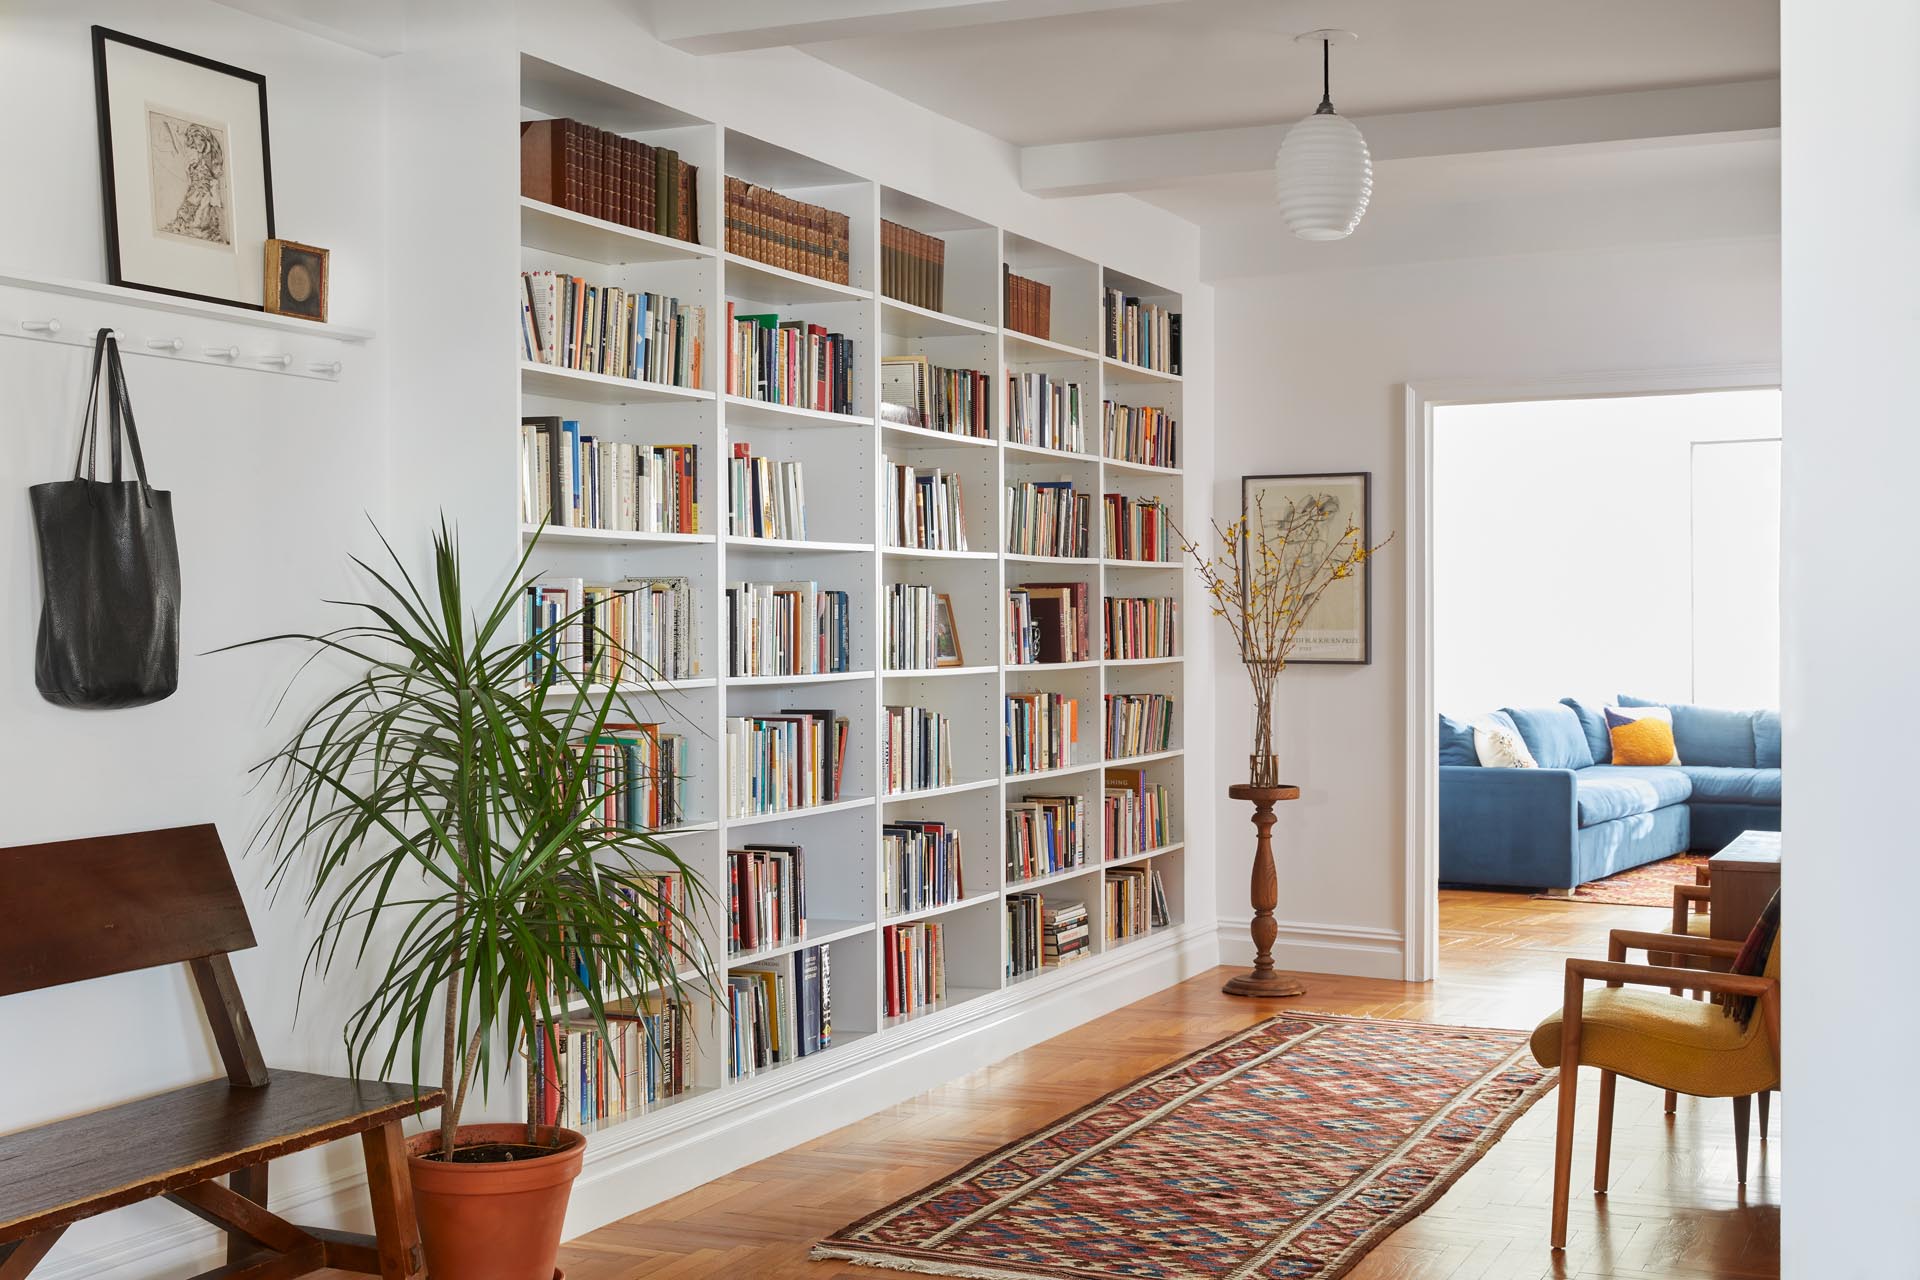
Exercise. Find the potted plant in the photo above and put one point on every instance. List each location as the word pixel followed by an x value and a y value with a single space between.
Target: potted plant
pixel 442 816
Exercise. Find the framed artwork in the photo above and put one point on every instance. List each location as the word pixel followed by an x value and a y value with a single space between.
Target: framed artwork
pixel 184 171
pixel 946 636
pixel 296 280
pixel 1339 631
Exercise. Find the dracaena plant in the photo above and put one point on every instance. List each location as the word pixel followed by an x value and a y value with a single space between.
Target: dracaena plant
pixel 441 815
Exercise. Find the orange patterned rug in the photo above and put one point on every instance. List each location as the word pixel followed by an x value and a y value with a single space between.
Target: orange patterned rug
pixel 1648 886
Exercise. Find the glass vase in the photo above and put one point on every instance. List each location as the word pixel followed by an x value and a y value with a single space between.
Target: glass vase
pixel 1263 770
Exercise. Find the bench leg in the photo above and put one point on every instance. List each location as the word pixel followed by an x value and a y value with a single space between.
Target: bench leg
pixel 22 1256
pixel 252 1184
pixel 391 1189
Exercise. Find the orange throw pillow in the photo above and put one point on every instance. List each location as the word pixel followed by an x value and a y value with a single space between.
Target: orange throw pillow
pixel 1641 739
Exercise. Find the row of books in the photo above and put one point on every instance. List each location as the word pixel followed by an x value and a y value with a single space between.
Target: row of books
pixel 1142 627
pixel 1047 622
pixel 790 362
pixel 1027 304
pixel 925 510
pixel 1026 941
pixel 578 481
pixel 779 1010
pixel 1140 434
pixel 1046 834
pixel 1142 333
pixel 596 328
pixel 915 956
pixel 1138 814
pixel 765 498
pixel 907 626
pixel 632 633
pixel 1046 413
pixel 1041 729
pixel 913 266
pixel 787 629
pixel 788 760
pixel 920 867
pixel 1138 723
pixel 1137 529
pixel 790 234
pixel 656 898
pixel 1066 932
pixel 916 749
pixel 766 897
pixel 1048 518
pixel 577 1076
pixel 637 780
pixel 1136 902
pixel 582 169
pixel 956 401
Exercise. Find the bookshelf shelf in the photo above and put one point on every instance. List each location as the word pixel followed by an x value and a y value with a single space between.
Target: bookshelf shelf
pixel 776 682
pixel 923 553
pixel 1123 371
pixel 575 235
pixel 1124 762
pixel 934 793
pixel 945 908
pixel 1140 468
pixel 1142 662
pixel 819 934
pixel 904 320
pixel 760 282
pixel 565 533
pixel 685 829
pixel 955 997
pixel 1050 455
pixel 1025 349
pixel 1052 877
pixel 688 685
pixel 599 388
pixel 750 412
pixel 927 438
pixel 736 543
pixel 1080 560
pixel 1025 668
pixel 1064 771
pixel 1144 854
pixel 1162 565
pixel 809 811
pixel 935 673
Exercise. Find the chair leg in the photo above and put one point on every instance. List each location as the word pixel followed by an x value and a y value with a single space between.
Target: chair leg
pixel 1603 1140
pixel 1742 1108
pixel 396 1233
pixel 1672 1102
pixel 1563 1130
pixel 1766 1100
pixel 250 1182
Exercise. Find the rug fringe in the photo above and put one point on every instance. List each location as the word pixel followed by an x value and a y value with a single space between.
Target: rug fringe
pixel 891 1262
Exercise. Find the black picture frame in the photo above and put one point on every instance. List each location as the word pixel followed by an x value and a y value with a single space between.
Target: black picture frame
pixel 1364 480
pixel 109 194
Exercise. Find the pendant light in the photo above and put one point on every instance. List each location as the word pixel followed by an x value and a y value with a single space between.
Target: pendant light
pixel 1323 175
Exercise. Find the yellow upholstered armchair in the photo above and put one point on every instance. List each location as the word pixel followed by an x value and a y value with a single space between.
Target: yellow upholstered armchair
pixel 1659 1038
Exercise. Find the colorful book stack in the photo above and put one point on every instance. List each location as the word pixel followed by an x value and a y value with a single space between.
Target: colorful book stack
pixel 1128 892
pixel 595 328
pixel 779 1010
pixel 913 266
pixel 1026 939
pixel 786 629
pixel 1028 305
pixel 766 897
pixel 1139 433
pixel 576 1076
pixel 1041 730
pixel 638 777
pixel 789 760
pixel 1047 519
pixel 1047 622
pixel 782 232
pixel 789 362
pixel 632 633
pixel 915 956
pixel 919 866
pixel 582 169
pixel 924 510
pixel 1045 834
pixel 916 750
pixel 1138 724
pixel 1142 333
pixel 1046 413
pixel 954 401
pixel 1138 813
pixel 908 628
pixel 1141 627
pixel 579 481
pixel 765 498
pixel 1065 932
pixel 1137 529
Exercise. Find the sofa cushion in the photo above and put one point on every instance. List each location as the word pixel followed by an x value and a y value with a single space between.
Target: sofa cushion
pixel 1766 739
pixel 1609 791
pixel 1593 722
pixel 1716 784
pixel 1553 735
pixel 1456 742
pixel 1707 735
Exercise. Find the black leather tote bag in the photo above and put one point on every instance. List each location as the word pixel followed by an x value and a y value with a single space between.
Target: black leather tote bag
pixel 109 567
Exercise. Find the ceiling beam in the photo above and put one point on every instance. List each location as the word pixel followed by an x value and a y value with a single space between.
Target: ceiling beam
pixel 1718 112
pixel 731 26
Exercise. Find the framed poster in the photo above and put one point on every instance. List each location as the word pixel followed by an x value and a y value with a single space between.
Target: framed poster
pixel 184 171
pixel 946 636
pixel 1339 631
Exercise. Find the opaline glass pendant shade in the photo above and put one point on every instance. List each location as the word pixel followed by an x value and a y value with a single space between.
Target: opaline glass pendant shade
pixel 1323 177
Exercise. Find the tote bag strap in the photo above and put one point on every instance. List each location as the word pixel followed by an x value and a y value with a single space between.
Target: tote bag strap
pixel 88 453
pixel 121 418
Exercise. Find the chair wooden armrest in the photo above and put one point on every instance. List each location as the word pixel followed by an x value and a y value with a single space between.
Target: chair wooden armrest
pixel 1615 973
pixel 1619 941
pixel 1698 897
pixel 1703 874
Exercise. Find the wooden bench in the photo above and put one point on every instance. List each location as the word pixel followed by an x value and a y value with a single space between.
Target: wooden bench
pixel 80 909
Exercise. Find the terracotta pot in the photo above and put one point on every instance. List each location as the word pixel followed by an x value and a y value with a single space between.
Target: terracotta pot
pixel 494 1221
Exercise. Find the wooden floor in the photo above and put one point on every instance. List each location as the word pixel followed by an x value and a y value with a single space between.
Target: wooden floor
pixel 1674 1210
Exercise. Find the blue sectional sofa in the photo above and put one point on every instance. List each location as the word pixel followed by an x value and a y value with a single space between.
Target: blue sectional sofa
pixel 1579 817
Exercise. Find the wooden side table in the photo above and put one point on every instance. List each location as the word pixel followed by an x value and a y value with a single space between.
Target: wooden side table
pixel 1746 875
pixel 1264 981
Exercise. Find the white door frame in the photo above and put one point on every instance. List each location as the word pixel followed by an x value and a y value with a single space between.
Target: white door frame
pixel 1421 923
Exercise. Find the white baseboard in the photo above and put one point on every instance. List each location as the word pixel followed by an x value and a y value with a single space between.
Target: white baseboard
pixel 1348 950
pixel 632 1167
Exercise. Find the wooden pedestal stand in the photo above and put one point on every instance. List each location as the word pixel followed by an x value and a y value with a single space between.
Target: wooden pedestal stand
pixel 1264 981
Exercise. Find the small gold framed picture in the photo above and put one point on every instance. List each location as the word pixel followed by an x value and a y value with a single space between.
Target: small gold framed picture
pixel 296 280
pixel 946 633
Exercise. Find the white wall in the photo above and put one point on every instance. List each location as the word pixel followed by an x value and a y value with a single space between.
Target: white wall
pixel 1311 372
pixel 1851 245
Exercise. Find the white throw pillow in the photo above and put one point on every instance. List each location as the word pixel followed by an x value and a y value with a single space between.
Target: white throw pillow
pixel 1499 747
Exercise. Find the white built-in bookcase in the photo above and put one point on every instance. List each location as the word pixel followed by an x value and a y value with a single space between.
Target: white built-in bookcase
pixel 844 458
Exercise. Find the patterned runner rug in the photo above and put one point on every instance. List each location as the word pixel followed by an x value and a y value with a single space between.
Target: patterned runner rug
pixel 1648 886
pixel 1287 1150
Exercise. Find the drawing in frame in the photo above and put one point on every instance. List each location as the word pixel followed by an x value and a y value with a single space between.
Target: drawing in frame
pixel 185 173
pixel 946 633
pixel 1339 631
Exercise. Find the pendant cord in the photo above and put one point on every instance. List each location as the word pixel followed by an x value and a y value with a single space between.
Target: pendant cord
pixel 1326 79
